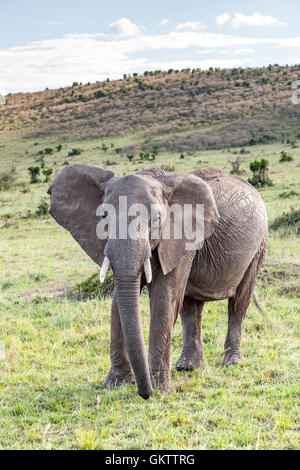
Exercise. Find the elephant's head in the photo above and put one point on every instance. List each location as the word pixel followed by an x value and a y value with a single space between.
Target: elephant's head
pixel 85 199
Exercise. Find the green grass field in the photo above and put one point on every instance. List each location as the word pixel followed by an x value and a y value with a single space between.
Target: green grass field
pixel 54 349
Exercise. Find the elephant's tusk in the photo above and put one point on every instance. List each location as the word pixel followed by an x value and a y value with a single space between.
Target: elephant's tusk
pixel 148 270
pixel 104 269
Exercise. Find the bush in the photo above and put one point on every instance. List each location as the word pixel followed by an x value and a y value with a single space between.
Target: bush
pixel 236 167
pixel 47 172
pixel 285 157
pixel 7 179
pixel 287 194
pixel 100 94
pixel 43 208
pixel 263 139
pixel 287 220
pixel 48 151
pixel 168 168
pixel 59 147
pixel 34 172
pixel 259 170
pixel 75 151
pixel 92 288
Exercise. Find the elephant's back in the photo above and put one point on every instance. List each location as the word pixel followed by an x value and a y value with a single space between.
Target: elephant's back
pixel 238 202
pixel 221 263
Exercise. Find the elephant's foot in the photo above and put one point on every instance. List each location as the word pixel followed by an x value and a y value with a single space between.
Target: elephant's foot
pixel 166 387
pixel 190 361
pixel 163 382
pixel 117 378
pixel 231 358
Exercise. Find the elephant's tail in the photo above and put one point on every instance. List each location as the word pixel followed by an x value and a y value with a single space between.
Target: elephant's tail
pixel 257 304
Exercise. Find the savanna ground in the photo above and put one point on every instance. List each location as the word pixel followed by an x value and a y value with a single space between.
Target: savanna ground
pixel 55 347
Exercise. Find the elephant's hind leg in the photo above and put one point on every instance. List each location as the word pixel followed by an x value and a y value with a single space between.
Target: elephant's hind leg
pixel 237 308
pixel 192 353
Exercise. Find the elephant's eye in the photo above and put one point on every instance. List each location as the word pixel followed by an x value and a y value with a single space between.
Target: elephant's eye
pixel 155 220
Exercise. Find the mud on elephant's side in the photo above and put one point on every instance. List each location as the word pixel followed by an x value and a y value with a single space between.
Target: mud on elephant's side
pixel 180 280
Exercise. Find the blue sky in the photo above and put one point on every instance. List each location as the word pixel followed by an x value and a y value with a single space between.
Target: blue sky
pixel 54 43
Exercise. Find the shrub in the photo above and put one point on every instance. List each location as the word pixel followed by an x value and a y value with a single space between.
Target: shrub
pixel 75 151
pixel 285 157
pixel 287 220
pixel 287 194
pixel 100 94
pixel 43 208
pixel 168 168
pixel 48 151
pixel 59 147
pixel 236 167
pixel 34 172
pixel 130 157
pixel 259 170
pixel 7 284
pixel 47 172
pixel 262 139
pixel 92 288
pixel 7 178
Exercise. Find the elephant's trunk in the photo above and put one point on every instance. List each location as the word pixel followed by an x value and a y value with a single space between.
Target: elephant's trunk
pixel 128 292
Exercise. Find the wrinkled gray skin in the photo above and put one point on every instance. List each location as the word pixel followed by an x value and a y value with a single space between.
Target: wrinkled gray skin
pixel 226 266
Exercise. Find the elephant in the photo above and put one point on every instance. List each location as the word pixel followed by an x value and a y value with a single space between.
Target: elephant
pixel 179 280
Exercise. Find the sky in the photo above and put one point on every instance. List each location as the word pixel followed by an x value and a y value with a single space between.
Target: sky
pixel 54 43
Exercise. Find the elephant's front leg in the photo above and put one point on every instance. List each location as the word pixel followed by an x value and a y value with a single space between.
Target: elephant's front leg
pixel 192 353
pixel 166 298
pixel 121 371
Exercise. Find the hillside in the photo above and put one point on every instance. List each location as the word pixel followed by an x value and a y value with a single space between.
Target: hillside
pixel 201 109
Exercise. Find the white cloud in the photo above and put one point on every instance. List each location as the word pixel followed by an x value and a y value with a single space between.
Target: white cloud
pixel 123 28
pixel 89 57
pixel 204 51
pixel 239 19
pixel 193 25
pixel 244 51
pixel 232 50
pixel 256 19
pixel 164 22
pixel 202 64
pixel 222 19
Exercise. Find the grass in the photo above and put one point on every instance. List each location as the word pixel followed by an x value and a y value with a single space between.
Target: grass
pixel 54 347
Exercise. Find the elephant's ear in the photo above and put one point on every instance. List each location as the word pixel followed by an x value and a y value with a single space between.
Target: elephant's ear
pixel 75 195
pixel 192 190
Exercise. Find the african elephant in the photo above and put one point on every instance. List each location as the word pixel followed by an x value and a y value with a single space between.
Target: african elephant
pixel 180 280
